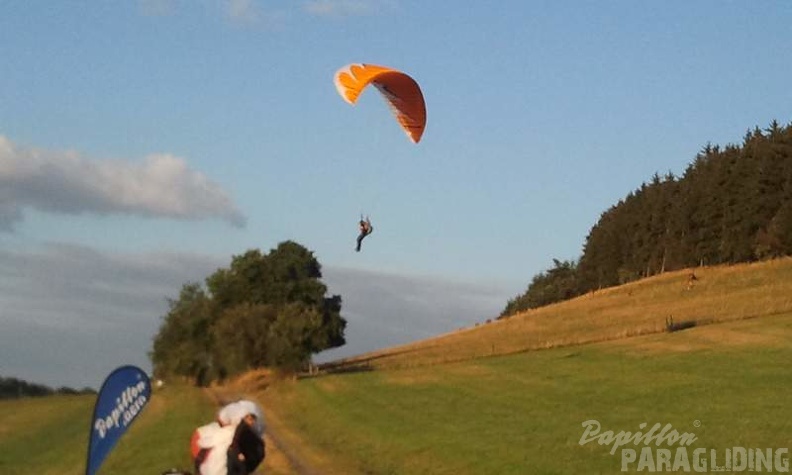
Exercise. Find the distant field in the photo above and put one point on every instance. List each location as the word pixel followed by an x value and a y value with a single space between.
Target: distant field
pixel 728 384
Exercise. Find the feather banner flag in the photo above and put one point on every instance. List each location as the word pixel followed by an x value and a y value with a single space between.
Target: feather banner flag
pixel 124 394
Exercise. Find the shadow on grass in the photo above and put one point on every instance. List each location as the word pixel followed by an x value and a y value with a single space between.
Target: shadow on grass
pixel 672 326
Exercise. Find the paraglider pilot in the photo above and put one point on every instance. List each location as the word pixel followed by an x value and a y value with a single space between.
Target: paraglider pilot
pixel 365 230
pixel 233 444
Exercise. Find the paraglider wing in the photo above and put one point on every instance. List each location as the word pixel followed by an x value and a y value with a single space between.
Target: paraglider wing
pixel 399 90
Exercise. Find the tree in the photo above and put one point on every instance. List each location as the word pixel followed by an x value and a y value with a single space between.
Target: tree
pixel 14 388
pixel 242 337
pixel 263 310
pixel 557 284
pixel 733 204
pixel 184 344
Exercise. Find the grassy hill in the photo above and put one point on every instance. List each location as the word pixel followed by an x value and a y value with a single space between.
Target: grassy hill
pixel 721 294
pixel 727 384
pixel 479 400
pixel 505 397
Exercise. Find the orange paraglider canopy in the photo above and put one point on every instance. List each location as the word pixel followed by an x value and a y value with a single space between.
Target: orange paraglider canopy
pixel 400 91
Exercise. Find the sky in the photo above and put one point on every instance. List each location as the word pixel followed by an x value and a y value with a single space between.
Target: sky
pixel 143 143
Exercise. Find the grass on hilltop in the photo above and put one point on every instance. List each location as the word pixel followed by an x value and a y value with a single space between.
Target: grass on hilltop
pixel 721 294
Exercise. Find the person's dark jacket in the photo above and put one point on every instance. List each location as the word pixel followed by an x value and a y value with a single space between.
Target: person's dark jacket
pixel 250 445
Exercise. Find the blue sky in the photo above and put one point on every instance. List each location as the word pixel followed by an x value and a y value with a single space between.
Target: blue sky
pixel 143 143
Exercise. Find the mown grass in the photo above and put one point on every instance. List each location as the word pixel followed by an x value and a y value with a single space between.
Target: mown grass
pixel 160 438
pixel 49 435
pixel 44 435
pixel 728 384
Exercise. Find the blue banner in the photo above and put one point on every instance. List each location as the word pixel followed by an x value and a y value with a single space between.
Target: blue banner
pixel 123 396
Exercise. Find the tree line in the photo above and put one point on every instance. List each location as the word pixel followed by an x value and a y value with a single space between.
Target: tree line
pixel 13 388
pixel 264 310
pixel 732 204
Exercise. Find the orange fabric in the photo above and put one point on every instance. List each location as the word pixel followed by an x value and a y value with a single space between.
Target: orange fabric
pixel 194 449
pixel 400 91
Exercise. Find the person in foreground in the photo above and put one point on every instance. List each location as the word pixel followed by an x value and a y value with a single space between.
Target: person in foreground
pixel 232 445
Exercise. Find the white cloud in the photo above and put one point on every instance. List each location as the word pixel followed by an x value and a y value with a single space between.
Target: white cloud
pixel 252 13
pixel 243 11
pixel 70 314
pixel 346 7
pixel 160 185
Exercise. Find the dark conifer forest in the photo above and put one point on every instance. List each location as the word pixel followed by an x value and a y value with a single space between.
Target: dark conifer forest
pixel 732 204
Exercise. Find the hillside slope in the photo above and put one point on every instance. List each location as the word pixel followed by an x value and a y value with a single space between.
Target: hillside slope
pixel 720 294
pixel 726 383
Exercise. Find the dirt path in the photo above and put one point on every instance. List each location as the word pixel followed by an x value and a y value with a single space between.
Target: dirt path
pixel 285 457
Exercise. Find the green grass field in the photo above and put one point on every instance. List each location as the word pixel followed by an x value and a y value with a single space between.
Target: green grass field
pixel 49 436
pixel 509 397
pixel 44 435
pixel 727 384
